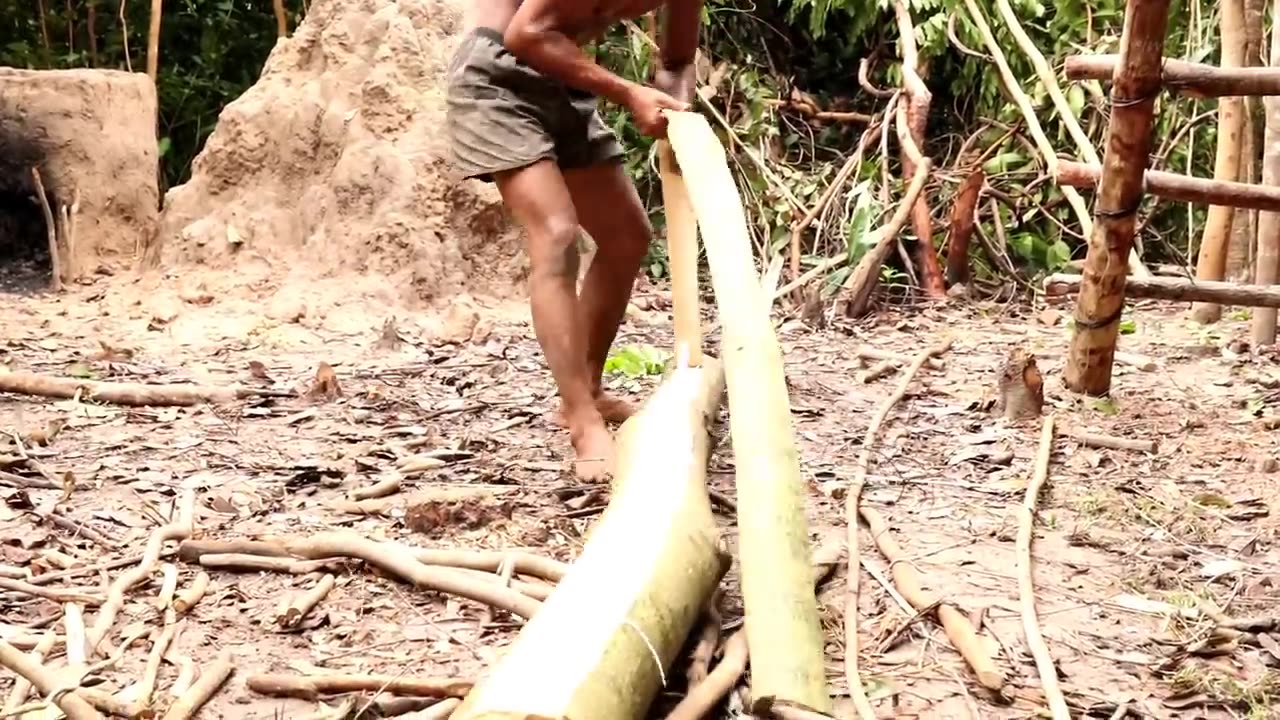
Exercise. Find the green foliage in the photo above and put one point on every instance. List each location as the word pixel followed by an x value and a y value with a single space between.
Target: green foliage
pixel 633 363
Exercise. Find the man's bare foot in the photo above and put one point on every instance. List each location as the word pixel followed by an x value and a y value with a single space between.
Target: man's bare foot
pixel 614 410
pixel 593 444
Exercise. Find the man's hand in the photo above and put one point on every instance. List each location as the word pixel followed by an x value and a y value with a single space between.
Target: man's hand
pixel 679 83
pixel 647 105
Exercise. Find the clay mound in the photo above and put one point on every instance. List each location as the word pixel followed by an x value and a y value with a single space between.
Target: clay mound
pixel 333 166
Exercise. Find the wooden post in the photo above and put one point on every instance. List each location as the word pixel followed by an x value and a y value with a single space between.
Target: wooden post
pixel 1133 92
pixel 1267 267
pixel 153 40
pixel 1183 188
pixel 682 257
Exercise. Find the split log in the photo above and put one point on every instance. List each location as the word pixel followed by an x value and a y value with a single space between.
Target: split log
pixel 682 256
pixel 1197 80
pixel 603 642
pixel 1135 88
pixel 1174 186
pixel 782 620
pixel 314 687
pixel 1177 289
pixel 133 394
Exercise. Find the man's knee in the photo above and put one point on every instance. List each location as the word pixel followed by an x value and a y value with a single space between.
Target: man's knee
pixel 553 247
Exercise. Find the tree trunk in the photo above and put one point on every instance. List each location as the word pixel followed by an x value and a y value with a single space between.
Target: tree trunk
pixel 1267 266
pixel 1245 222
pixel 1101 301
pixel 1212 263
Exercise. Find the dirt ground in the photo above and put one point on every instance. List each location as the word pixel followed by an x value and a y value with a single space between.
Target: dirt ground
pixel 1132 549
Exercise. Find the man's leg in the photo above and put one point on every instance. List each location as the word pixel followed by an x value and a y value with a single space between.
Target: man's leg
pixel 538 197
pixel 610 210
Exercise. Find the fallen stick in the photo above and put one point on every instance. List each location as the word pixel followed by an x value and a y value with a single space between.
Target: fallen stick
pixel 45 683
pixel 51 230
pixel 178 530
pixel 1182 188
pixel 83 531
pixel 524 563
pixel 957 627
pixel 1111 442
pixel 313 687
pixel 234 562
pixel 398 562
pixel 1026 584
pixel 852 497
pixel 188 598
pixel 130 394
pixel 373 507
pixel 40 483
pixel 702 698
pixel 22 686
pixel 389 486
pixel 57 595
pixel 210 680
pixel 305 603
pixel 47 578
pixel 186 674
pixel 1178 290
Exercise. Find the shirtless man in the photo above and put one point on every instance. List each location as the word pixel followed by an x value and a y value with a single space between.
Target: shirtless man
pixel 522 114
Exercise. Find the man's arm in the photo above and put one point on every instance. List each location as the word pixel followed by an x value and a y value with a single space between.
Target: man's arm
pixel 536 36
pixel 680 27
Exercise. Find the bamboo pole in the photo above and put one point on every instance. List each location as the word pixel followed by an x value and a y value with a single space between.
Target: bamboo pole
pixel 601 645
pixel 1196 80
pixel 1134 90
pixel 783 631
pixel 1183 188
pixel 1178 290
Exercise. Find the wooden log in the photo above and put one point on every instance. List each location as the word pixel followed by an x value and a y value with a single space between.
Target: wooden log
pixel 120 393
pixel 1178 290
pixel 601 646
pixel 1183 188
pixel 682 255
pixel 1197 80
pixel 1136 84
pixel 783 631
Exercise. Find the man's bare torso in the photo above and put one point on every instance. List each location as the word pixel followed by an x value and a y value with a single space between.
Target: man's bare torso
pixel 590 18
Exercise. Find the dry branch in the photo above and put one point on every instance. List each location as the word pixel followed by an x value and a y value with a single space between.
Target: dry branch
pixel 957 627
pixel 211 679
pixel 233 562
pixel 852 498
pixel 1192 79
pixel 400 563
pixel 1026 583
pixel 389 486
pixel 1111 442
pixel 782 612
pixel 305 603
pixel 45 683
pixel 153 39
pixel 22 686
pixel 1048 153
pixel 133 394
pixel 699 701
pixel 1178 290
pixel 63 596
pixel 177 530
pixel 1101 301
pixel 314 687
pixel 1182 188
pixel 189 597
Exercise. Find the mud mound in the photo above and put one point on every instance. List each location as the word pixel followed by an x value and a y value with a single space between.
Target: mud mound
pixel 91 134
pixel 331 172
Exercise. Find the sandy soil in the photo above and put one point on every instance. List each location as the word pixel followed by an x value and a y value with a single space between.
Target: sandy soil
pixel 1129 545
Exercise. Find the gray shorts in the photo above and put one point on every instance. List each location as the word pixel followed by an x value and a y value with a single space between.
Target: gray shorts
pixel 502 114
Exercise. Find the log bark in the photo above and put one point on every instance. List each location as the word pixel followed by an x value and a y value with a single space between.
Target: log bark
pixel 1183 188
pixel 133 394
pixel 1134 89
pixel 783 630
pixel 601 645
pixel 1267 266
pixel 1216 238
pixel 1178 290
pixel 1196 80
